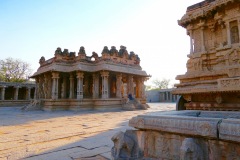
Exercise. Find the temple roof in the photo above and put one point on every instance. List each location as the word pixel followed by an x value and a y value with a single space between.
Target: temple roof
pixel 111 60
pixel 202 10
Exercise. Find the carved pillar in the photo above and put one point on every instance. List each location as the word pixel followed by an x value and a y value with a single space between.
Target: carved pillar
pixel 130 84
pixel 64 88
pixel 95 85
pixel 36 88
pixel 55 77
pixel 28 93
pixel 143 88
pixel 238 30
pixel 16 93
pixel 45 86
pixel 80 76
pixel 140 85
pixel 119 86
pixel 3 93
pixel 228 33
pixel 104 75
pixel 71 93
pixel 191 42
pixel 203 48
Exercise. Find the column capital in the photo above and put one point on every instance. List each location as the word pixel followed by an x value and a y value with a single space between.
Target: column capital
pixel 80 74
pixel 104 73
pixel 55 74
pixel 119 75
pixel 95 75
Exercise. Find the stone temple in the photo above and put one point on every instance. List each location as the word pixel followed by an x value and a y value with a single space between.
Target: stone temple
pixel 212 80
pixel 79 82
pixel 198 130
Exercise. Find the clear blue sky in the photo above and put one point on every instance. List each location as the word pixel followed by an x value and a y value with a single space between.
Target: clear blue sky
pixel 30 29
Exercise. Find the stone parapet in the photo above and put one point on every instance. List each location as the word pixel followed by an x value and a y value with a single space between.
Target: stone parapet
pixel 195 126
pixel 180 135
pixel 229 129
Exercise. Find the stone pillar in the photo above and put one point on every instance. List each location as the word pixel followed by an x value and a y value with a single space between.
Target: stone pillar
pixel 191 42
pixel 130 84
pixel 3 93
pixel 55 77
pixel 71 93
pixel 16 93
pixel 143 89
pixel 140 87
pixel 104 75
pixel 95 85
pixel 228 33
pixel 36 89
pixel 119 85
pixel 80 76
pixel 203 49
pixel 45 86
pixel 238 21
pixel 64 88
pixel 28 94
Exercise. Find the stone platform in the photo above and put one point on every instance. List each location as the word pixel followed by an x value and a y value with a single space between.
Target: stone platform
pixel 109 104
pixel 181 135
pixel 63 135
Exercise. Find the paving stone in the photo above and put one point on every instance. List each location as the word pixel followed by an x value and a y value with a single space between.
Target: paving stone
pixel 62 134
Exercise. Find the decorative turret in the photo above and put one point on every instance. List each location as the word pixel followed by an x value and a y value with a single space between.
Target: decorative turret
pixel 82 53
pixel 123 52
pixel 41 60
pixel 58 51
pixel 105 53
pixel 65 52
pixel 113 51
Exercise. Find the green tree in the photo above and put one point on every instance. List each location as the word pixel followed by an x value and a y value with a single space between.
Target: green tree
pixel 14 70
pixel 161 84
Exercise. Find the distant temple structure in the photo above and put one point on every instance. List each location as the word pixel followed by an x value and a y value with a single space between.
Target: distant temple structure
pixel 76 82
pixel 16 94
pixel 212 80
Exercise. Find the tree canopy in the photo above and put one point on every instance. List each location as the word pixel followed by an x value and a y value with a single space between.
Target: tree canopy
pixel 14 70
pixel 161 83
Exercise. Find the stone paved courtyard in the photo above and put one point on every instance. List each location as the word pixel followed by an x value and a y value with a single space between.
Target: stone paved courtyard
pixel 63 135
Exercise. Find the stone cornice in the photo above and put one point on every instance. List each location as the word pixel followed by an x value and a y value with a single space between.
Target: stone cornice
pixel 202 11
pixel 88 67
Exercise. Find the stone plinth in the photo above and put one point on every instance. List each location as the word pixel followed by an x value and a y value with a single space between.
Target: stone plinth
pixel 84 104
pixel 181 135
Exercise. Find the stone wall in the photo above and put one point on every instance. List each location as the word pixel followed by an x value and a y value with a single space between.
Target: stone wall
pixel 185 135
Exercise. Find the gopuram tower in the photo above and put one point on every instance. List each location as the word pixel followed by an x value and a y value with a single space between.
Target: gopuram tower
pixel 212 80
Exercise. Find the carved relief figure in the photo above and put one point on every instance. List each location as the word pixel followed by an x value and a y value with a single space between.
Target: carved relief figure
pixel 190 150
pixel 123 146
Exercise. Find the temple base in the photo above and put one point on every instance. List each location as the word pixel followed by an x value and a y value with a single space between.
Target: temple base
pixel 180 135
pixel 84 104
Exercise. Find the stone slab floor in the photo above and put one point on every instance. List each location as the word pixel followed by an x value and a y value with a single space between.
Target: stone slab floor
pixel 63 135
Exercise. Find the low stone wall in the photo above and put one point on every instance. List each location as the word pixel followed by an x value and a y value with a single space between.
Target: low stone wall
pixel 9 103
pixel 178 135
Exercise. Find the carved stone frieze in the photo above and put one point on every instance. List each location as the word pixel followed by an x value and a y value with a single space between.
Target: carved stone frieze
pixel 184 125
pixel 229 84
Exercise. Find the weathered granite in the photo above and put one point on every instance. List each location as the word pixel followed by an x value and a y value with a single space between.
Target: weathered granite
pixel 81 82
pixel 184 135
pixel 212 79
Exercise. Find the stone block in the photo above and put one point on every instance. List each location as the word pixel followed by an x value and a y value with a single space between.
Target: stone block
pixel 194 126
pixel 229 129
